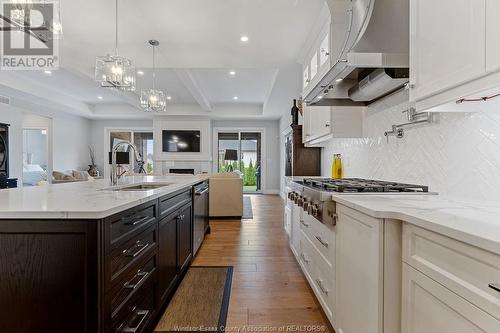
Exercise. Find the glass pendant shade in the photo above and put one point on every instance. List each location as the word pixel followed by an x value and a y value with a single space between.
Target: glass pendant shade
pixel 115 72
pixel 153 100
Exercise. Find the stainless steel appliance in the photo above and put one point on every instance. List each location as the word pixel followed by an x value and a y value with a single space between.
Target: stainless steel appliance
pixel 201 218
pixel 314 195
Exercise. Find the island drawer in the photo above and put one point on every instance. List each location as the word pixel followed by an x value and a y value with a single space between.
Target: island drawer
pixel 174 201
pixel 131 282
pixel 121 227
pixel 137 313
pixel 119 262
pixel 464 269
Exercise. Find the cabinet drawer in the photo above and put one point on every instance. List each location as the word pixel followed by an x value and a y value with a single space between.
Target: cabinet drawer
pixel 462 268
pixel 123 258
pixel 120 227
pixel 137 314
pixel 319 273
pixel 174 201
pixel 430 307
pixel 321 235
pixel 131 282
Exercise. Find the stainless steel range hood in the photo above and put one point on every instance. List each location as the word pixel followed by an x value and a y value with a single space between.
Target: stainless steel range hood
pixel 366 35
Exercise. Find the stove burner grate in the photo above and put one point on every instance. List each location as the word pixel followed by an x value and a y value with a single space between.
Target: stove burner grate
pixel 358 185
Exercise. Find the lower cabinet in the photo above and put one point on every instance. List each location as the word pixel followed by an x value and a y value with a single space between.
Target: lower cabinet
pixel 430 307
pixel 167 254
pixel 359 269
pixel 185 240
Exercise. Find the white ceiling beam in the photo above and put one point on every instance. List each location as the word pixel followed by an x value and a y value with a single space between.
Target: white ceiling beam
pixel 270 88
pixel 193 86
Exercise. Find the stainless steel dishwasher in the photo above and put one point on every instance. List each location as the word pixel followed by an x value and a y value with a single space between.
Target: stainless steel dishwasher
pixel 201 215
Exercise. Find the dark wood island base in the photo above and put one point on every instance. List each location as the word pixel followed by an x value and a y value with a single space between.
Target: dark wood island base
pixel 109 275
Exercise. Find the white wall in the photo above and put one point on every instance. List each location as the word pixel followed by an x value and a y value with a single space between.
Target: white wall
pixel 272 147
pixel 458 156
pixel 70 138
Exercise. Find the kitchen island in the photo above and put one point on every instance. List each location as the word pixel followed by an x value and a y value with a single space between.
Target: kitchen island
pixel 90 257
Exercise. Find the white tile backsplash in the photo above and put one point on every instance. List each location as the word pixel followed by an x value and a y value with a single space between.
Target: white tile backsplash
pixel 458 155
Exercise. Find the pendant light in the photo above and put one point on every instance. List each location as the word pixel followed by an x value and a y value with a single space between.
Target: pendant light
pixel 113 71
pixel 153 100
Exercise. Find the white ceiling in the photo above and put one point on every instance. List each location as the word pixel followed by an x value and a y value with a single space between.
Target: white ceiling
pixel 199 45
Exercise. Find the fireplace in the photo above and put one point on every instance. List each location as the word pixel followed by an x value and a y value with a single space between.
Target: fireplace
pixel 182 171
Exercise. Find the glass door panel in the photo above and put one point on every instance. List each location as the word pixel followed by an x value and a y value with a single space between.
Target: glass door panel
pixel 228 146
pixel 250 160
pixel 144 143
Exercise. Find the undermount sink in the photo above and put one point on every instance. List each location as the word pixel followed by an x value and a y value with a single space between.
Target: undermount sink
pixel 141 187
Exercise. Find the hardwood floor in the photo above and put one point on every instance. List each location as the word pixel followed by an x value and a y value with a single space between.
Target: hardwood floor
pixel 268 287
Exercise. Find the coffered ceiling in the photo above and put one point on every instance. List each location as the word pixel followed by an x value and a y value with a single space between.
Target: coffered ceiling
pixel 199 46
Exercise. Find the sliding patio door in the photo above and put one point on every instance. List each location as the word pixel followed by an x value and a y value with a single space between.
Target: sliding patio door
pixel 248 160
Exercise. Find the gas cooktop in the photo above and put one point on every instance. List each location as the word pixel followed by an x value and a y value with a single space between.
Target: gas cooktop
pixel 358 185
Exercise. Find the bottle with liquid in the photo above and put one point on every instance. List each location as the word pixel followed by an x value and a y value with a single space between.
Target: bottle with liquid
pixel 337 167
pixel 295 113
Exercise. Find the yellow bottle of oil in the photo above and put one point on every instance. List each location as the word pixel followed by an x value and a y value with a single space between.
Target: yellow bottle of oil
pixel 337 167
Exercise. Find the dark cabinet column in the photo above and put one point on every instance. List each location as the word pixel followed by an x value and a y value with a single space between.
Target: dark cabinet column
pixel 167 254
pixel 184 237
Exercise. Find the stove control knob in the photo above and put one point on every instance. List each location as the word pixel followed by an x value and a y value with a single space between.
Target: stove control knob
pixel 296 198
pixel 291 195
pixel 305 204
pixel 314 210
pixel 300 201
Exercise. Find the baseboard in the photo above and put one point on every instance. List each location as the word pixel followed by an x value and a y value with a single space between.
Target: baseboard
pixel 271 192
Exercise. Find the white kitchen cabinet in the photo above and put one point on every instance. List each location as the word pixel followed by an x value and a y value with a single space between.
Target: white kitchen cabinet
pixel 492 35
pixel 321 123
pixel 359 272
pixel 306 77
pixel 314 66
pixel 447 44
pixel 287 220
pixel 296 220
pixel 429 307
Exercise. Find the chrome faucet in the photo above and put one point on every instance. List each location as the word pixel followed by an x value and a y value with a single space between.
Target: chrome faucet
pixel 114 169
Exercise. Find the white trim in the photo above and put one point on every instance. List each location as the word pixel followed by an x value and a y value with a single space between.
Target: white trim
pixel 272 192
pixel 107 132
pixel 215 150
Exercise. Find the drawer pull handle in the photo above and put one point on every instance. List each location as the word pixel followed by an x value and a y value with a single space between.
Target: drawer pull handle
pixel 129 285
pixel 495 286
pixel 139 313
pixel 325 244
pixel 141 247
pixel 304 259
pixel 320 285
pixel 136 222
pixel 304 224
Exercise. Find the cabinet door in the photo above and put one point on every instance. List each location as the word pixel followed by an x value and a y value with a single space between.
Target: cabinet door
pixel 492 35
pixel 167 254
pixel 324 53
pixel 430 307
pixel 314 66
pixel 447 44
pixel 185 233
pixel 306 78
pixel 296 218
pixel 319 121
pixel 359 272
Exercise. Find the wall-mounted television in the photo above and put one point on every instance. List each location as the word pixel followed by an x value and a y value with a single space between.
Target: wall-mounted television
pixel 181 141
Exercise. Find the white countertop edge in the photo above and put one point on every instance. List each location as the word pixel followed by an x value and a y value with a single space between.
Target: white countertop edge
pixel 492 245
pixel 97 215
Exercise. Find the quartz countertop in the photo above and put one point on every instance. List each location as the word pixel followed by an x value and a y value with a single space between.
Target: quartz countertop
pixel 475 223
pixel 85 200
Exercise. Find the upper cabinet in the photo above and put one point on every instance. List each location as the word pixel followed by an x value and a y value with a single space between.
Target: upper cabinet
pixel 316 62
pixel 454 51
pixel 322 123
pixel 447 44
pixel 492 35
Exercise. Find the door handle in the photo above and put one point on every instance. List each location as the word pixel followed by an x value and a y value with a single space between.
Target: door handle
pixel 495 286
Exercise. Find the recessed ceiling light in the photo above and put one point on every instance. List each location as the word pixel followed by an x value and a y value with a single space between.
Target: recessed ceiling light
pixel 244 39
pixel 232 73
pixel 236 98
pixel 140 72
pixel 320 97
pixel 99 97
pixel 169 97
pixel 339 80
pixel 48 72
